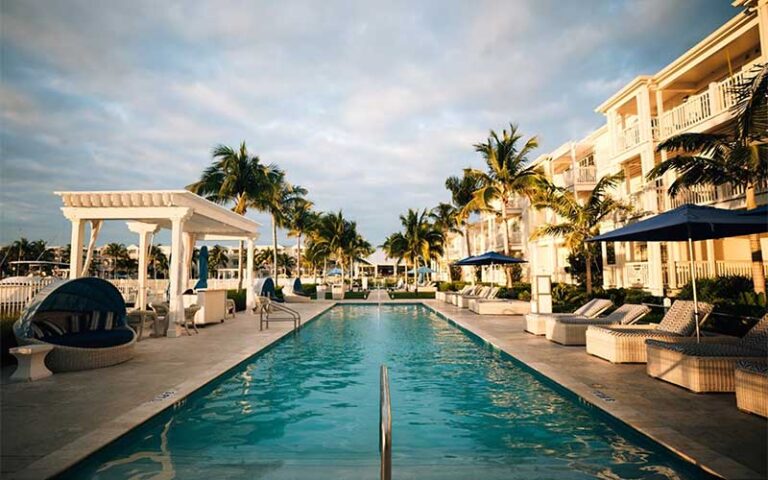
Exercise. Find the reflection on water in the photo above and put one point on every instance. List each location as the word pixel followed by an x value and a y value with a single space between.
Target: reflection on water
pixel 308 408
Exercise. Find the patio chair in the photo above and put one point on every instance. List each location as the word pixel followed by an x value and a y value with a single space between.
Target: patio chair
pixel 463 301
pixel 751 381
pixel 499 306
pixel 572 330
pixel 189 318
pixel 231 308
pixel 709 366
pixel 446 296
pixel 626 343
pixel 161 310
pixel 536 323
pixel 137 318
pixel 480 292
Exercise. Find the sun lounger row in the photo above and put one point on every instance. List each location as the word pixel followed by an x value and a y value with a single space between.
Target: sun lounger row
pixel 672 354
pixel 483 301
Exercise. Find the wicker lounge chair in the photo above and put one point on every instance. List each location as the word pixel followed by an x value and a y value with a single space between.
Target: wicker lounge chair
pixel 499 307
pixel 752 387
pixel 83 319
pixel 463 301
pixel 447 297
pixel 536 323
pixel 572 330
pixel 626 344
pixel 708 366
pixel 479 292
pixel 136 319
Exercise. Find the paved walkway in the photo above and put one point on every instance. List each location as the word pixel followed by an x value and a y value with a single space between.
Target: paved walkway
pixel 48 425
pixel 708 429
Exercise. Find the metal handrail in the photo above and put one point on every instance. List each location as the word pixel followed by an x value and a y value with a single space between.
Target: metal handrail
pixel 265 305
pixel 385 426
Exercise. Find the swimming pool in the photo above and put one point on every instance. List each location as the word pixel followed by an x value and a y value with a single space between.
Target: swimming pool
pixel 308 408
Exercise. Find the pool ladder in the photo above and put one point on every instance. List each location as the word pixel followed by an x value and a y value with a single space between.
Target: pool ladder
pixel 385 426
pixel 265 306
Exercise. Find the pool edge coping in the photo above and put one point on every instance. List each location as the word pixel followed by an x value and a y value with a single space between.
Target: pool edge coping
pixel 699 456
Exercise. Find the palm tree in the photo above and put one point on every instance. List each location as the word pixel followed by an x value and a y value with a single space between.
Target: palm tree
pixel 423 242
pixel 445 218
pixel 394 246
pixel 301 218
pixel 737 157
pixel 217 258
pixel 508 173
pixel 580 220
pixel 158 261
pixel 115 252
pixel 462 192
pixel 235 176
pixel 358 248
pixel 333 236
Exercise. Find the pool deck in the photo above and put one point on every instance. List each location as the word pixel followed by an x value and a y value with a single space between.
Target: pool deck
pixel 48 425
pixel 706 429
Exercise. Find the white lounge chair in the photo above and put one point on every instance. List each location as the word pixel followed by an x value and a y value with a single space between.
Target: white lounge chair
pixel 708 366
pixel 626 343
pixel 572 330
pixel 499 306
pixel 450 297
pixel 463 301
pixel 481 292
pixel 751 383
pixel 536 323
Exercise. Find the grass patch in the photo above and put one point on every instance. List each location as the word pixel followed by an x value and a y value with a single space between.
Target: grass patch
pixel 411 295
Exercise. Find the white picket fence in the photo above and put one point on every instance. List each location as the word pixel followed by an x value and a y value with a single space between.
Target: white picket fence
pixel 16 295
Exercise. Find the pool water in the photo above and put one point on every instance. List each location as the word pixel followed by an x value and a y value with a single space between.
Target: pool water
pixel 307 408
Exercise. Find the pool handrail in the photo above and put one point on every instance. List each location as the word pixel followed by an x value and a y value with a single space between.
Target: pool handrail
pixel 385 426
pixel 265 305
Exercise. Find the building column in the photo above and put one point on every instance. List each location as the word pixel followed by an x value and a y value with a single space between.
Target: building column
pixel 76 248
pixel 711 264
pixel 655 273
pixel 613 131
pixel 176 302
pixel 644 113
pixel 250 300
pixel 144 230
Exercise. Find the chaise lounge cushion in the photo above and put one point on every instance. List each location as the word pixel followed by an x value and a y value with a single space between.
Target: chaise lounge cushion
pixel 92 339
pixel 708 349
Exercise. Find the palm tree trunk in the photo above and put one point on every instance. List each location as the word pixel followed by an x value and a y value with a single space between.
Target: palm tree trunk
pixel 298 253
pixel 507 271
pixel 274 247
pixel 758 274
pixel 588 259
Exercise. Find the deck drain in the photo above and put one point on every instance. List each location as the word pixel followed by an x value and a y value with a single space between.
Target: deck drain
pixel 603 396
pixel 165 396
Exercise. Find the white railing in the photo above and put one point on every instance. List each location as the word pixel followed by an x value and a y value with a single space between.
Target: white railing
pixel 703 194
pixel 637 273
pixel 15 296
pixel 582 175
pixel 630 136
pixel 697 109
pixel 726 94
pixel 722 268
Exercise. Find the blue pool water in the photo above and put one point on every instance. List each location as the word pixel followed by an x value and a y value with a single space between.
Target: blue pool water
pixel 308 409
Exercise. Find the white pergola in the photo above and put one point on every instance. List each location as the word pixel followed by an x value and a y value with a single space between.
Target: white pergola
pixel 190 218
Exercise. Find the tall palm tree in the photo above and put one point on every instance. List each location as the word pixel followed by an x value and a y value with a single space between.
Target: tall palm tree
pixel 235 176
pixel 580 220
pixel 158 261
pixel 358 248
pixel 462 192
pixel 333 236
pixel 115 252
pixel 508 173
pixel 394 246
pixel 301 219
pixel 737 157
pixel 423 242
pixel 445 218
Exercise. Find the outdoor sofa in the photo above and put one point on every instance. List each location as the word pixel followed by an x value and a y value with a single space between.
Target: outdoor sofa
pixel 536 323
pixel 626 343
pixel 572 330
pixel 463 301
pixel 708 366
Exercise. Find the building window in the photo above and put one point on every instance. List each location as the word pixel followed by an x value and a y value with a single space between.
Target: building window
pixel 610 253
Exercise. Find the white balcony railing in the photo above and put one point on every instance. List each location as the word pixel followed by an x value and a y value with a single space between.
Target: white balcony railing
pixel 580 175
pixel 709 194
pixel 637 273
pixel 726 96
pixel 629 137
pixel 720 268
pixel 696 109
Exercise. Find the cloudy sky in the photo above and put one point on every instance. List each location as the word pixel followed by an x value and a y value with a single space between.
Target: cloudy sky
pixel 370 105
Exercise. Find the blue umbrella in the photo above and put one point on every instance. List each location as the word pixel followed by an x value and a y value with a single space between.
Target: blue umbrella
pixel 490 258
pixel 202 269
pixel 423 270
pixel 465 261
pixel 334 272
pixel 689 223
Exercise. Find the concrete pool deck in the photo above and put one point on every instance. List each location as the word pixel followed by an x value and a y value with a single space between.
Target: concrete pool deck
pixel 706 429
pixel 39 441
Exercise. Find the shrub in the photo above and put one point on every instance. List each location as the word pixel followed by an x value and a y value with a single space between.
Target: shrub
pixel 451 286
pixel 239 297
pixel 309 289
pixel 7 340
pixel 516 291
pixel 524 296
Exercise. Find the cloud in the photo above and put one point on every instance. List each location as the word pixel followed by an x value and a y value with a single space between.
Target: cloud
pixel 368 105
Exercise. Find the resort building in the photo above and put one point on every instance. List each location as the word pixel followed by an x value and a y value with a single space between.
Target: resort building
pixel 691 94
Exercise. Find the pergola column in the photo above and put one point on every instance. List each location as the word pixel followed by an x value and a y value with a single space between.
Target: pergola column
pixel 249 297
pixel 145 230
pixel 76 247
pixel 176 302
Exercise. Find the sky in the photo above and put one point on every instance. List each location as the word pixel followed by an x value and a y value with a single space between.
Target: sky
pixel 370 105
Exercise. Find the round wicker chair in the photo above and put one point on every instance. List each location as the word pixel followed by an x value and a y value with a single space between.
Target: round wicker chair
pixel 84 319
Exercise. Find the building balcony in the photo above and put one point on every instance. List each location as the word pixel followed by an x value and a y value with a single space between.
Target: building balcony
pixel 579 177
pixel 709 194
pixel 704 269
pixel 696 109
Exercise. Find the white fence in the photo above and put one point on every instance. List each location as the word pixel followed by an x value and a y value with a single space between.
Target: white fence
pixel 14 296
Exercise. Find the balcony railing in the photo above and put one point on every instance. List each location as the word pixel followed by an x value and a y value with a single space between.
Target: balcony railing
pixel 720 268
pixel 637 273
pixel 709 194
pixel 630 136
pixel 580 175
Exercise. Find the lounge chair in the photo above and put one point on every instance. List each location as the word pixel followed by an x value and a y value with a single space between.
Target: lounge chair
pixel 499 306
pixel 571 330
pixel 709 366
pixel 447 296
pixel 294 293
pixel 536 323
pixel 136 319
pixel 751 380
pixel 626 343
pixel 480 292
pixel 463 301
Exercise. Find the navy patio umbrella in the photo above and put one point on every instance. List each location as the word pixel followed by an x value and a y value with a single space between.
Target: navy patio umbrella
pixel 465 262
pixel 689 223
pixel 490 258
pixel 202 269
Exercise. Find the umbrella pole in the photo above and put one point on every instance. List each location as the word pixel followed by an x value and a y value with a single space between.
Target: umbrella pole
pixel 693 284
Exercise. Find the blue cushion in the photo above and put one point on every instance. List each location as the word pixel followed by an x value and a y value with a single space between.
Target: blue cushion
pixel 92 339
